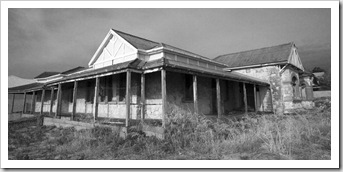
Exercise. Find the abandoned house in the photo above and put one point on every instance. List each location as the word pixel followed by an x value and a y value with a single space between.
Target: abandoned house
pixel 131 79
pixel 290 84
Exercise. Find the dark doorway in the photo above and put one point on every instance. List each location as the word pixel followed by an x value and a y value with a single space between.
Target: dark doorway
pixel 250 97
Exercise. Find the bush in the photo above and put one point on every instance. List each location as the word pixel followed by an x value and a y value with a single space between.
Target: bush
pixel 305 135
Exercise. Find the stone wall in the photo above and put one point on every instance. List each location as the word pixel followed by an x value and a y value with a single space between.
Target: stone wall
pixel 271 99
pixel 285 97
pixel 292 96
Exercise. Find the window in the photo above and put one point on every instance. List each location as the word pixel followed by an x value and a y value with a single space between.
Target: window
pixel 188 88
pixel 70 96
pixel 105 89
pixel 38 96
pixel 90 91
pixel 121 89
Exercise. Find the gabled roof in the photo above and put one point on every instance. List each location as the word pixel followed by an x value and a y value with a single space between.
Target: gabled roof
pixel 137 42
pixel 46 74
pixel 273 54
pixel 145 44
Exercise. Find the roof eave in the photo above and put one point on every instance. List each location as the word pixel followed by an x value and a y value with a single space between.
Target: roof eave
pixel 255 66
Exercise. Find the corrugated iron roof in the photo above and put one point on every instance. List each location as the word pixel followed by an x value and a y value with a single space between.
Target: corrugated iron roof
pixel 22 88
pixel 73 70
pixel 145 44
pixel 46 74
pixel 137 63
pixel 137 42
pixel 274 54
pixel 228 75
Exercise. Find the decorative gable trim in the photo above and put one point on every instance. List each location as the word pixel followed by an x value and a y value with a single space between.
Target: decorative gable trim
pixel 103 44
pixel 294 58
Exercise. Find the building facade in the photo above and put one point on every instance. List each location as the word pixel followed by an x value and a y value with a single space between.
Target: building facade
pixel 290 85
pixel 132 79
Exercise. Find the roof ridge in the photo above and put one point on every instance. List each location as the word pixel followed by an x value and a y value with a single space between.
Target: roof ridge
pixel 184 50
pixel 134 36
pixel 292 43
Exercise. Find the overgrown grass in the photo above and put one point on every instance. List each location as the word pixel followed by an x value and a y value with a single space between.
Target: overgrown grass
pixel 303 135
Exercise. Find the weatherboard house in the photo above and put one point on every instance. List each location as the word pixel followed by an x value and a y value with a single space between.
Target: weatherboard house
pixel 132 79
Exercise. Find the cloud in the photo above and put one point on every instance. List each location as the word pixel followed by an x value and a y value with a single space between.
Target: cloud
pixel 60 39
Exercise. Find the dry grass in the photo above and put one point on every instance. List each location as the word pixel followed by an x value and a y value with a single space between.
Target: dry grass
pixel 304 135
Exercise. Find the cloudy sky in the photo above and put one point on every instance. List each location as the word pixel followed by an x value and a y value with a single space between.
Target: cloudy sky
pixel 60 39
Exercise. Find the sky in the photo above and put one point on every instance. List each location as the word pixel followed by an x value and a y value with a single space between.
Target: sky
pixel 60 39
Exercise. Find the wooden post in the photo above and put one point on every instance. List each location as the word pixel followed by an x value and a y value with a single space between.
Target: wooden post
pixel 24 103
pixel 261 100
pixel 219 109
pixel 142 96
pixel 13 97
pixel 164 96
pixel 195 94
pixel 40 117
pixel 42 101
pixel 33 102
pixel 255 98
pixel 96 97
pixel 58 100
pixel 245 99
pixel 74 100
pixel 128 97
pixel 51 100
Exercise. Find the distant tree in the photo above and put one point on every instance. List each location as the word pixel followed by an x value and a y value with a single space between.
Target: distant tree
pixel 317 69
pixel 325 81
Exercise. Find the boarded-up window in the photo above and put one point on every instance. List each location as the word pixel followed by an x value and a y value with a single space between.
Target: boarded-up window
pixel 188 88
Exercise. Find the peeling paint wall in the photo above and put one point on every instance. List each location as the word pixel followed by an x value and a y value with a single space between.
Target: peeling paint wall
pixel 276 90
pixel 265 99
pixel 38 96
pixel 285 98
pixel 153 95
pixel 205 95
pixel 292 95
pixel 67 98
pixel 270 98
pixel 176 91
